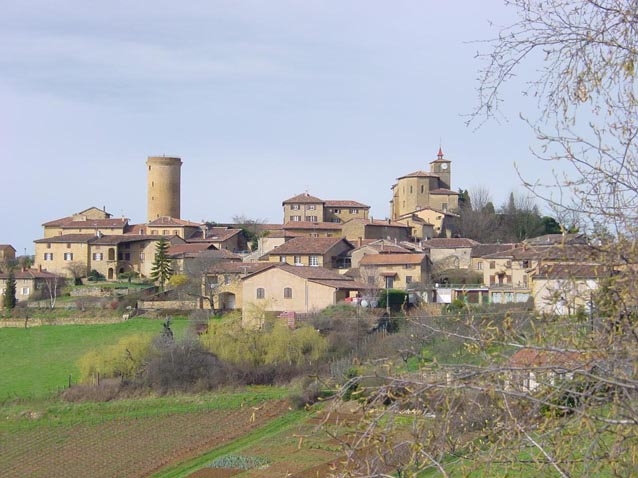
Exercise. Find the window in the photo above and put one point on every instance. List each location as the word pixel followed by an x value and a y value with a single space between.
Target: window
pixel 312 207
pixel 370 280
pixel 127 256
pixel 68 256
pixel 311 218
pixel 479 266
pixel 295 218
pixel 282 259
pixel 24 291
pixel 408 279
pixel 261 293
pixel 313 234
pixel 48 256
pixel 337 211
pixel 492 264
pixel 226 279
pixel 336 219
pixel 408 266
pixel 126 245
pixel 68 245
pixel 297 260
pixel 314 261
pixel 120 256
pixel 294 207
pixel 422 188
pixel 287 293
pixel 444 206
pixel 49 245
pixel 354 211
pixel 98 256
pixel 153 232
pixel 141 256
pixel 165 232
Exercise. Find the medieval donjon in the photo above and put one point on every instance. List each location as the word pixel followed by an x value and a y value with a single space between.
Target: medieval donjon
pixel 163 185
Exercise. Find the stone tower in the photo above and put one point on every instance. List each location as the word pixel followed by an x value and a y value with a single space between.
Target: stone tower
pixel 163 182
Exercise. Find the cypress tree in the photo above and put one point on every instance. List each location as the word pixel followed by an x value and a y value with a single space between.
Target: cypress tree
pixel 9 299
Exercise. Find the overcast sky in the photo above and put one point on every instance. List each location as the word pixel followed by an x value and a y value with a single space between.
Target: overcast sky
pixel 262 100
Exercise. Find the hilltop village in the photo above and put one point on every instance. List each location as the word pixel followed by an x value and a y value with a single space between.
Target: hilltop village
pixel 325 252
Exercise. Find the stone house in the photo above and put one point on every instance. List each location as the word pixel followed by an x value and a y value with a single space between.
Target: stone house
pixel 7 253
pixel 289 289
pixel 326 252
pixel 305 207
pixel 360 229
pixel 33 283
pixel 394 270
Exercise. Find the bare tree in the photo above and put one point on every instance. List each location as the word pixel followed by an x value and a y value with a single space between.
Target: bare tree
pixel 566 404
pixel 52 286
pixel 77 270
pixel 201 283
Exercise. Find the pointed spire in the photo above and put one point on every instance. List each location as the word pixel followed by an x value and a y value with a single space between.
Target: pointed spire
pixel 440 153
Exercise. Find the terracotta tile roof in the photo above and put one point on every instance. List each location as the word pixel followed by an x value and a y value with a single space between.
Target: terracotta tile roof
pixel 571 271
pixel 420 174
pixel 535 358
pixel 384 246
pixel 308 245
pixel 481 250
pixel 447 192
pixel 449 243
pixel 376 222
pixel 114 239
pixel 58 222
pixel 214 234
pixel 392 259
pixel 188 248
pixel 574 252
pixel 6 246
pixel 346 204
pixel 244 268
pixel 95 223
pixel 304 198
pixel 323 276
pixel 552 239
pixel 66 238
pixel 329 226
pixel 171 221
pixel 135 229
pixel 30 274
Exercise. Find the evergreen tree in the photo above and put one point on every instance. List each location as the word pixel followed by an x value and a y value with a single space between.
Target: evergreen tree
pixel 161 270
pixel 9 299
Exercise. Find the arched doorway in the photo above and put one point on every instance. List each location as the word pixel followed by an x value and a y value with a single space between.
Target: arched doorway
pixel 109 274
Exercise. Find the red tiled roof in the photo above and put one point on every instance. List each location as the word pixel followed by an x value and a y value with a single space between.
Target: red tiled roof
pixel 449 243
pixel 66 238
pixel 447 192
pixel 346 204
pixel 304 198
pixel 420 174
pixel 30 274
pixel 308 245
pixel 535 358
pixel 95 223
pixel 481 250
pixel 177 249
pixel 571 271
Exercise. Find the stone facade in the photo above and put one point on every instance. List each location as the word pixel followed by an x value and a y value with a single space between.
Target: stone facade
pixel 164 187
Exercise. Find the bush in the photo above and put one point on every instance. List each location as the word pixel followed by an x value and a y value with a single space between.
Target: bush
pixel 398 299
pixel 123 359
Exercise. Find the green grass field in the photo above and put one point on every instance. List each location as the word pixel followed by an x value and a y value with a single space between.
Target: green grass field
pixel 38 361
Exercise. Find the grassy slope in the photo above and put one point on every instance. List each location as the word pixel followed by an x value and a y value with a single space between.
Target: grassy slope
pixel 37 361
